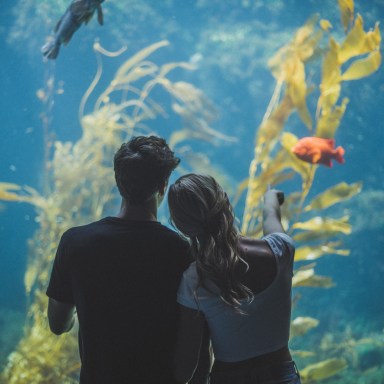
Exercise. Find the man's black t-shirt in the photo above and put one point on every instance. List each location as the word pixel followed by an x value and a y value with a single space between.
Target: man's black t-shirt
pixel 123 277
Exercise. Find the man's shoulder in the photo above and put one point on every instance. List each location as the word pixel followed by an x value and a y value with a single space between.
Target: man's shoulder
pixel 81 231
pixel 175 236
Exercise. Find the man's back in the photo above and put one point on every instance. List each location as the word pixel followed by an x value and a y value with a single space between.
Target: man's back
pixel 123 278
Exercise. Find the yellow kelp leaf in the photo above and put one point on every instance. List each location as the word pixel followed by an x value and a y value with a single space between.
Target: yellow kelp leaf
pixel 372 39
pixel 288 140
pixel 325 25
pixel 330 119
pixel 319 223
pixel 330 78
pixel 6 194
pixel 315 252
pixel 359 42
pixel 297 90
pixel 306 39
pixel 270 129
pixel 315 236
pixel 307 278
pixel 136 73
pixel 302 354
pixel 30 276
pixel 323 370
pixel 301 47
pixel 242 186
pixel 333 195
pixel 141 55
pixel 301 325
pixel 166 68
pixel 347 11
pixel 363 67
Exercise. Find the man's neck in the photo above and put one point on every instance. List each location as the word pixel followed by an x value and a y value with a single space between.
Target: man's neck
pixel 143 212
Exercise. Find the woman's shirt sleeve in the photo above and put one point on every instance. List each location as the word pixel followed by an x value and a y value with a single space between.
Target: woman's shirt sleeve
pixel 281 244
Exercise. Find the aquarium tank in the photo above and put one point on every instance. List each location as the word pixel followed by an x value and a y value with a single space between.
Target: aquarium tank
pixel 234 86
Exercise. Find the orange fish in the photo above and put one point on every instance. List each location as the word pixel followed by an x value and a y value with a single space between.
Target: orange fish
pixel 316 150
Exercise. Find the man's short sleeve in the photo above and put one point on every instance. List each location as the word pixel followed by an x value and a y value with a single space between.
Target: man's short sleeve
pixel 186 292
pixel 59 287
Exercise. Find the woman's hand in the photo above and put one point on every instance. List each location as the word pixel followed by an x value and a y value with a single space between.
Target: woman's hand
pixel 272 194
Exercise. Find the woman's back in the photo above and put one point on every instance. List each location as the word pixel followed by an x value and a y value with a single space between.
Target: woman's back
pixel 264 326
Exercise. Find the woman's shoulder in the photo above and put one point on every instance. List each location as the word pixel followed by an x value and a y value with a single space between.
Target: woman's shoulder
pixel 254 246
pixel 274 243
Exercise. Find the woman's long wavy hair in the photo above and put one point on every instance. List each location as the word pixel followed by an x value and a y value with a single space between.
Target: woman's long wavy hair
pixel 201 211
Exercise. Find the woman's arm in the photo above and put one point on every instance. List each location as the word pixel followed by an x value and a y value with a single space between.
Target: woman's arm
pixel 192 335
pixel 271 212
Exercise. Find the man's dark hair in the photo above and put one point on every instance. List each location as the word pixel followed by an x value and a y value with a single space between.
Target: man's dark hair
pixel 142 166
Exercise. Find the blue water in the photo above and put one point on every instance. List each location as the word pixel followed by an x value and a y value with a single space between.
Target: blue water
pixel 234 75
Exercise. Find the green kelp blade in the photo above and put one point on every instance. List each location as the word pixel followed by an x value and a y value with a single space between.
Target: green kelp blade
pixel 363 67
pixel 307 278
pixel 315 252
pixel 138 57
pixel 323 369
pixel 333 195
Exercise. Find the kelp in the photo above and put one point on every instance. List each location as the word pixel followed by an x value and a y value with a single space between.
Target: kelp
pixel 355 57
pixel 323 370
pixel 308 278
pixel 307 252
pixel 301 325
pixel 334 195
pixel 348 346
pixel 81 189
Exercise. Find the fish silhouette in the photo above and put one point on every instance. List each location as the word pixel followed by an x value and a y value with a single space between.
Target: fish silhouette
pixel 316 150
pixel 78 12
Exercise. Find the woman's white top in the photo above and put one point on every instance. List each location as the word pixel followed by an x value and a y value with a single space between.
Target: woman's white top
pixel 265 326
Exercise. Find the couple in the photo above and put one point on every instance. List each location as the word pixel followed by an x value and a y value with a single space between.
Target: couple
pixel 122 276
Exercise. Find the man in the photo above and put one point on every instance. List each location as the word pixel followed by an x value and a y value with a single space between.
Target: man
pixel 121 274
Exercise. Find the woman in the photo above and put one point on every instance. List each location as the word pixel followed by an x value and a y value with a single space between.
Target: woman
pixel 239 286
